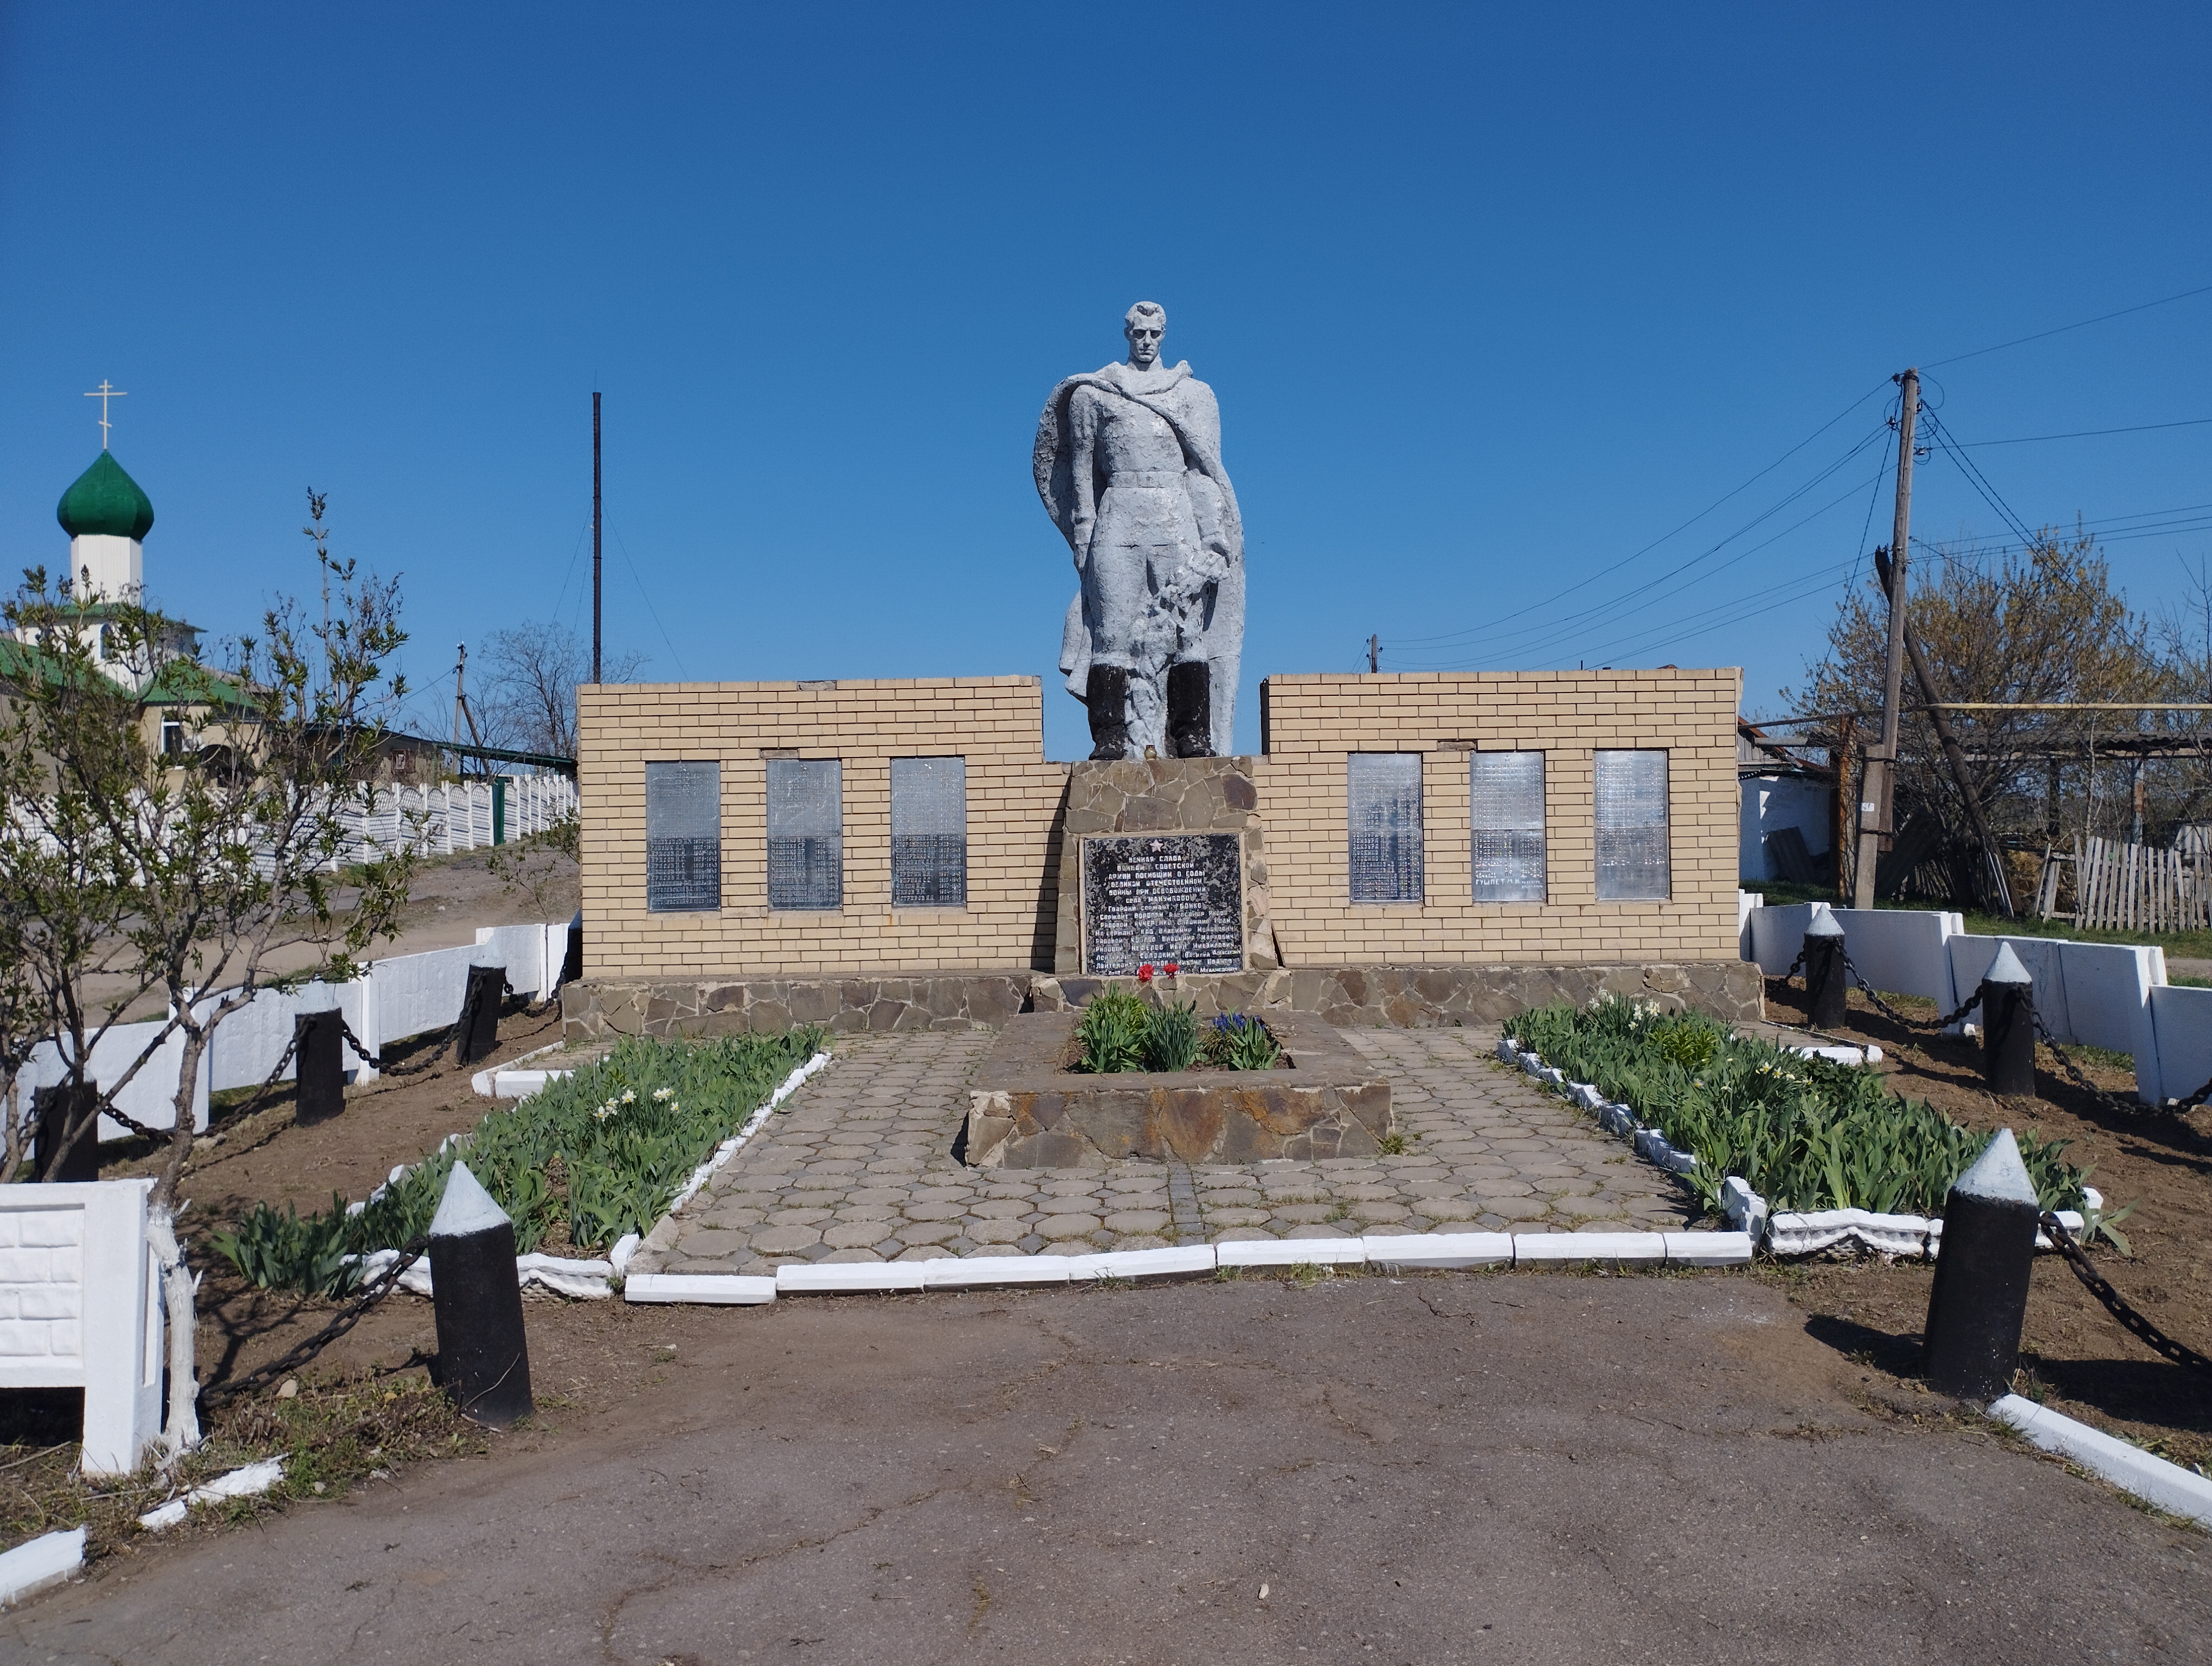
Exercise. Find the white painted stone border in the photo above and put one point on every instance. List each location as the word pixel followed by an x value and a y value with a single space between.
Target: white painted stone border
pixel 1787 1234
pixel 42 1562
pixel 493 1084
pixel 1403 1252
pixel 253 1479
pixel 593 1279
pixel 2150 1478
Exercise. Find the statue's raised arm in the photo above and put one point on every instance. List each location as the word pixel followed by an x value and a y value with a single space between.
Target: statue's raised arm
pixel 1127 461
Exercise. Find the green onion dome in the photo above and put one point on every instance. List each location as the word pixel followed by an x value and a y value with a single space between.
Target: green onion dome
pixel 105 501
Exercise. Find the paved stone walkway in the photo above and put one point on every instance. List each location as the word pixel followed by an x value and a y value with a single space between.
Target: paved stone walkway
pixel 861 1169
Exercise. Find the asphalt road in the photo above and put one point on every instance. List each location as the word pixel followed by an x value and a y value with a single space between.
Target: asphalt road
pixel 1463 1467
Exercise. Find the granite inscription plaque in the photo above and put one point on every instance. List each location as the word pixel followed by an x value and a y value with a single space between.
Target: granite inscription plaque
pixel 1150 898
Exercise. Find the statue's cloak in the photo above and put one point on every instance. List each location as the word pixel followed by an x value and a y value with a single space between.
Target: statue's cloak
pixel 1187 405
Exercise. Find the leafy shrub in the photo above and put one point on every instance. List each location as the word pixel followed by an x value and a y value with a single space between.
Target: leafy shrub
pixel 1172 1038
pixel 1236 1042
pixel 1806 1133
pixel 625 1133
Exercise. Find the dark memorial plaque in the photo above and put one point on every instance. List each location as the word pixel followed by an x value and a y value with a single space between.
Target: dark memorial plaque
pixel 1150 898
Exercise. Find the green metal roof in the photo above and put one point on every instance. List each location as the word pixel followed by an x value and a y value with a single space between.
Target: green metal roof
pixel 106 501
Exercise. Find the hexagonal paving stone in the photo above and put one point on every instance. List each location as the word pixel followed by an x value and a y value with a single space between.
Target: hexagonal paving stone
pixel 784 1240
pixel 1067 1226
pixel 1134 1220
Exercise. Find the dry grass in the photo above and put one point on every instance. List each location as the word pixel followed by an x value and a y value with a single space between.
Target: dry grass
pixel 335 1432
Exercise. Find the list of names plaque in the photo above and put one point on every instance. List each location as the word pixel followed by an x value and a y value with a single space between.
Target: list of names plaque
pixel 1151 898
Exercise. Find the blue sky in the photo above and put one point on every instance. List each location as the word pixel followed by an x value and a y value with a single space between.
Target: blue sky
pixel 1493 300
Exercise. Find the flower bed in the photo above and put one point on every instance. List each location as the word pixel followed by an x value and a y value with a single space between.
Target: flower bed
pixel 1805 1134
pixel 594 1156
pixel 1120 1031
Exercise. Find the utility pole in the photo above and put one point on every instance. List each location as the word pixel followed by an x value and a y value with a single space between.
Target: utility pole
pixel 460 705
pixel 1374 654
pixel 1992 852
pixel 1877 795
pixel 595 535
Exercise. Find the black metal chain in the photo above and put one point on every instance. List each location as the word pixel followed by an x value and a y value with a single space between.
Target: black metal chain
pixel 2074 1072
pixel 1896 1017
pixel 377 1061
pixel 2149 1334
pixel 348 1317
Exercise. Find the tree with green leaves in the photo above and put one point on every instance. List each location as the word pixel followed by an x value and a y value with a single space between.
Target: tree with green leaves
pixel 230 860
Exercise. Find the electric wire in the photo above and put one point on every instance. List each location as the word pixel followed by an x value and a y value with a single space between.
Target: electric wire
pixel 2087 432
pixel 2102 318
pixel 1417 641
pixel 1549 631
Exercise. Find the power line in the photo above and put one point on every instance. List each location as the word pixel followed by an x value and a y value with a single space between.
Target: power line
pixel 1595 614
pixel 1552 630
pixel 2089 432
pixel 2102 318
pixel 1664 537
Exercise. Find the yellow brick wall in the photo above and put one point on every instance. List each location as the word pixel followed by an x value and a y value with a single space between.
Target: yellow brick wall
pixel 996 723
pixel 1014 797
pixel 1313 722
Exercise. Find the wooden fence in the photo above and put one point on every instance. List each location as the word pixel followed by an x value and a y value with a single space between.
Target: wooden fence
pixel 2137 887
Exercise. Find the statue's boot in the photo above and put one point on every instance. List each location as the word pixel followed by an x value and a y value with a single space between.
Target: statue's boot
pixel 1107 695
pixel 1190 710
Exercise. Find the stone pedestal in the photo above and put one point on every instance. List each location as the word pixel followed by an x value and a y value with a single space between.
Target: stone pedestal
pixel 1169 797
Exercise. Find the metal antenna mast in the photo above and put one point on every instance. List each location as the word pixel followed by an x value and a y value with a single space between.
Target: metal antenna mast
pixel 595 535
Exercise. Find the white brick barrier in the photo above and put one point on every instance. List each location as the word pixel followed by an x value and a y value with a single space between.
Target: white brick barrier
pixel 2101 994
pixel 81 1307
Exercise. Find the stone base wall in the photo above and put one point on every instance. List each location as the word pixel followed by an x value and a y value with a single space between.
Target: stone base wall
pixel 1405 997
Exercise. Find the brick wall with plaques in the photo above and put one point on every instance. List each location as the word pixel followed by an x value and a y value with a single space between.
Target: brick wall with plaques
pixel 1377 827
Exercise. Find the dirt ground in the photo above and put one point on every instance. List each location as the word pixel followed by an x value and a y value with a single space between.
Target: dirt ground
pixel 451 897
pixel 1522 1467
pixel 2074 1355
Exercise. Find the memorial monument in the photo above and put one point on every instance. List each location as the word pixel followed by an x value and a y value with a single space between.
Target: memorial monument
pixel 1128 462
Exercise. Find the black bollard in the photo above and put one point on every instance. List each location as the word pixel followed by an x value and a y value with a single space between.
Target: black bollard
pixel 2008 1026
pixel 477 1034
pixel 54 1108
pixel 1826 980
pixel 319 1062
pixel 484 1355
pixel 572 964
pixel 1980 1299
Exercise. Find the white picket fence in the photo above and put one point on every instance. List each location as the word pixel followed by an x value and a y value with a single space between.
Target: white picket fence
pixel 404 995
pixel 441 820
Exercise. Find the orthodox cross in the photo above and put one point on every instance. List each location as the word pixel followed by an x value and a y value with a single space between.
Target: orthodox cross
pixel 104 393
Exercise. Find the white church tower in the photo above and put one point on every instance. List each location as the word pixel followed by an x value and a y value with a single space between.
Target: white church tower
pixel 106 517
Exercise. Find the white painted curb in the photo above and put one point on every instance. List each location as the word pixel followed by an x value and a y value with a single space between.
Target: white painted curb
pixel 992 1272
pixel 238 1484
pixel 712 1289
pixel 1439 1250
pixel 847 1278
pixel 1628 1249
pixel 47 1560
pixel 2150 1478
pixel 1291 1252
pixel 504 1081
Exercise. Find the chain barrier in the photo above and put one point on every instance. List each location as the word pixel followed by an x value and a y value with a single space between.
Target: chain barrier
pixel 348 1317
pixel 1897 1017
pixel 370 1056
pixel 2149 1334
pixel 2072 1071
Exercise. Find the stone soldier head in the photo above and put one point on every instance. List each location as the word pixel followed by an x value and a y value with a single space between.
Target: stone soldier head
pixel 1143 325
